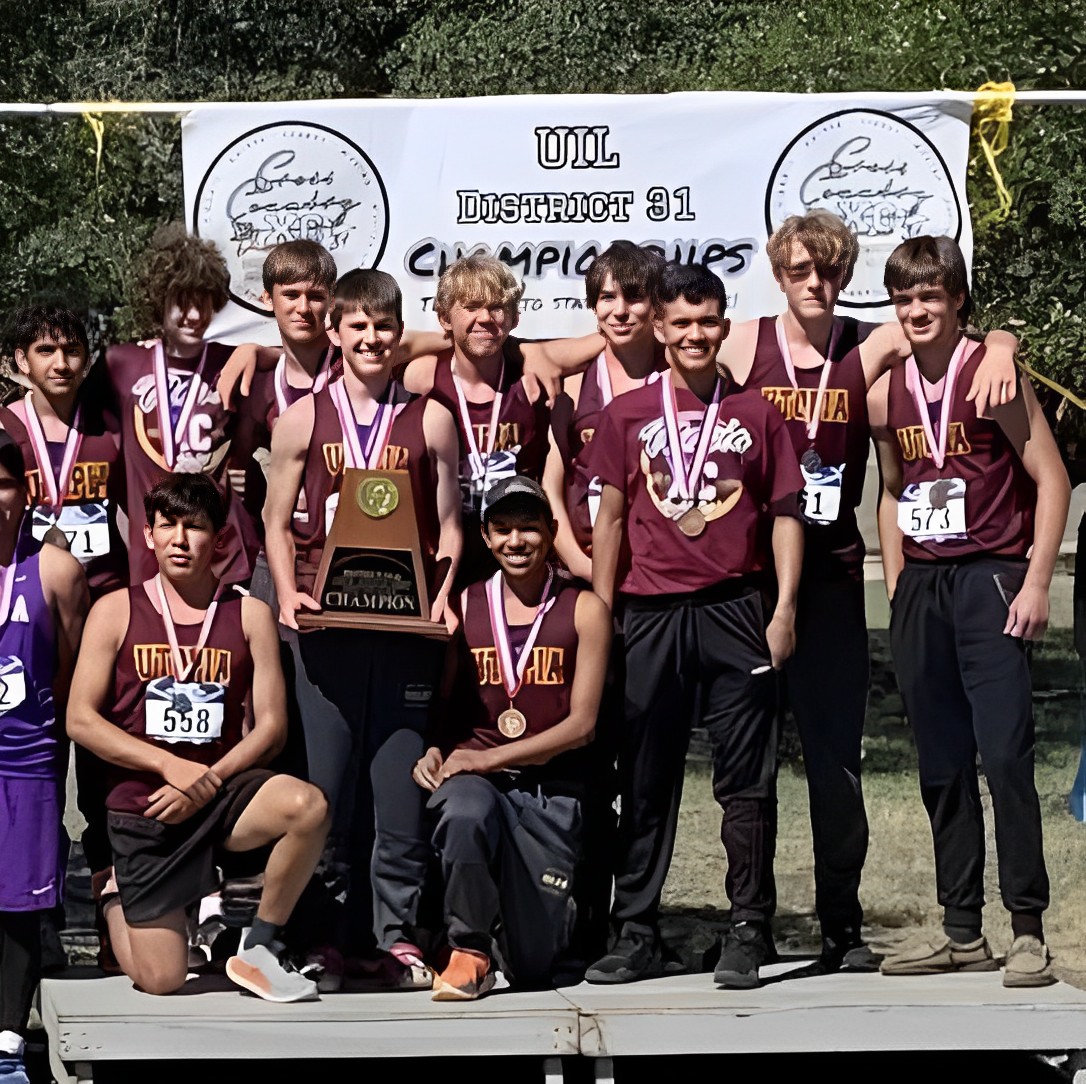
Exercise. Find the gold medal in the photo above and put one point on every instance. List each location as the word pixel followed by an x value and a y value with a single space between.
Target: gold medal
pixel 511 723
pixel 692 523
pixel 378 497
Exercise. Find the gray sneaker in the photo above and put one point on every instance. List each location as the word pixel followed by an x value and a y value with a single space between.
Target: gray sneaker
pixel 941 956
pixel 261 971
pixel 1028 963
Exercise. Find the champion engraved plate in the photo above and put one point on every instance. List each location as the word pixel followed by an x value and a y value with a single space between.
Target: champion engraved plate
pixel 371 574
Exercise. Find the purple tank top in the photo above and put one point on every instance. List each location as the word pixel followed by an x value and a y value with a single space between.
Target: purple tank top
pixel 29 746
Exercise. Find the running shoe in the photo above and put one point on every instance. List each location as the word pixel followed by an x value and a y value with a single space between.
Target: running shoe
pixel 264 971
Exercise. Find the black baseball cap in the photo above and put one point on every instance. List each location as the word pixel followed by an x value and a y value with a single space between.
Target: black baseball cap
pixel 516 486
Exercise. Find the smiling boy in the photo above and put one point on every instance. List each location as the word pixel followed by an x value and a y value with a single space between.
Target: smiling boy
pixel 970 520
pixel 508 773
pixel 170 674
pixel 695 482
pixel 359 689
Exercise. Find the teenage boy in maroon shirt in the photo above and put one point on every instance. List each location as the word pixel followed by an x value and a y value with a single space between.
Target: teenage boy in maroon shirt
pixel 971 518
pixel 694 484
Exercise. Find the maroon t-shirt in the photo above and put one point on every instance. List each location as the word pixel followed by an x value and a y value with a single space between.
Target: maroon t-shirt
pixel 520 447
pixel 1000 497
pixel 204 447
pixel 842 440
pixel 95 491
pixel 145 661
pixel 544 696
pixel 573 429
pixel 323 476
pixel 750 466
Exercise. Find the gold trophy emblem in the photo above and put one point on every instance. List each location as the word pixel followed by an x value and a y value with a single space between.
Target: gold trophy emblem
pixel 378 497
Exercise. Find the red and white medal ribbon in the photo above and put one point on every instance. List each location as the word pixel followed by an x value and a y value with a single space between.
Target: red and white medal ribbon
pixel 6 590
pixel 354 455
pixel 55 486
pixel 790 368
pixel 914 382
pixel 513 672
pixel 684 479
pixel 173 437
pixel 477 460
pixel 180 670
pixel 282 395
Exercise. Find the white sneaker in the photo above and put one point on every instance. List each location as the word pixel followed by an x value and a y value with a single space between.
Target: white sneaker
pixel 260 971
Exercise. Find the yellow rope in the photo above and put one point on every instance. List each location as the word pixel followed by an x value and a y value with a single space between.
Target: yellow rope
pixel 1070 396
pixel 992 113
pixel 97 126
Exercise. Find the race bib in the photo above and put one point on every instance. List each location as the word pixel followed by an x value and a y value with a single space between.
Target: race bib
pixel 184 711
pixel 86 526
pixel 12 683
pixel 486 471
pixel 822 493
pixel 933 510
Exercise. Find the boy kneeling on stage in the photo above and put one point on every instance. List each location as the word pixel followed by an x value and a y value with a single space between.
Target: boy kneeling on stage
pixel 161 693
pixel 509 772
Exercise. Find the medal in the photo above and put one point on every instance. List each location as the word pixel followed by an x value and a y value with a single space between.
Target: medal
pixel 692 521
pixel 172 437
pixel 180 670
pixel 353 453
pixel 811 461
pixel 282 395
pixel 511 722
pixel 936 441
pixel 479 461
pixel 823 382
pixel 55 486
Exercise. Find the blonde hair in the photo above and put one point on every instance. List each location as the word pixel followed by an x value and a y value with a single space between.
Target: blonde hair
pixel 832 245
pixel 483 279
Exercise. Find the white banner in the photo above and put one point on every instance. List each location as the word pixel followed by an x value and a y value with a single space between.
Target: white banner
pixel 547 182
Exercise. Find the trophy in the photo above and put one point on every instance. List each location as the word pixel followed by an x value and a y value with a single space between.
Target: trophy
pixel 371 574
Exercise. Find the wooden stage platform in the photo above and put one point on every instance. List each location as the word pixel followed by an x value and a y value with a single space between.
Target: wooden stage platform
pixel 91 1019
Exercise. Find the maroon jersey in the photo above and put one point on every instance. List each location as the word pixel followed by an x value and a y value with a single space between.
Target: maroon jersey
pixel 204 446
pixel 573 428
pixel 842 439
pixel 750 466
pixel 145 678
pixel 999 496
pixel 323 476
pixel 544 695
pixel 520 447
pixel 95 490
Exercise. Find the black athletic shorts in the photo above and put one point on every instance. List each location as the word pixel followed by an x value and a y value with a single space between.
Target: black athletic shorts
pixel 162 867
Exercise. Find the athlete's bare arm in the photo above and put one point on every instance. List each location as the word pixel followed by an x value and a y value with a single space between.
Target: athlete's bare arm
pixel 1027 429
pixel 788 561
pixel 65 588
pixel 443 444
pixel 592 621
pixel 237 374
pixel 736 353
pixel 290 442
pixel 92 682
pixel 607 534
pixel 994 383
pixel 888 453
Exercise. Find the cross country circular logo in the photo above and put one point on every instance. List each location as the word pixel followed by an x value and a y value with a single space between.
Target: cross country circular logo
pixel 286 181
pixel 878 173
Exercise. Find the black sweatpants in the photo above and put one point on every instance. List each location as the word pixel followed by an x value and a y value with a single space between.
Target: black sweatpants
pixel 690 661
pixel 966 688
pixel 508 852
pixel 826 681
pixel 20 966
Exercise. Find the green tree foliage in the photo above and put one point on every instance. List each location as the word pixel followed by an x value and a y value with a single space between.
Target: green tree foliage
pixel 72 221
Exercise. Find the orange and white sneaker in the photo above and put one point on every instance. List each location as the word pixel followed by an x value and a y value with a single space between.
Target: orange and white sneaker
pixel 468 976
pixel 261 971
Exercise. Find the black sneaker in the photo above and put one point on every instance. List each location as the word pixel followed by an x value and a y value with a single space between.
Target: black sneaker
pixel 634 956
pixel 746 947
pixel 845 950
